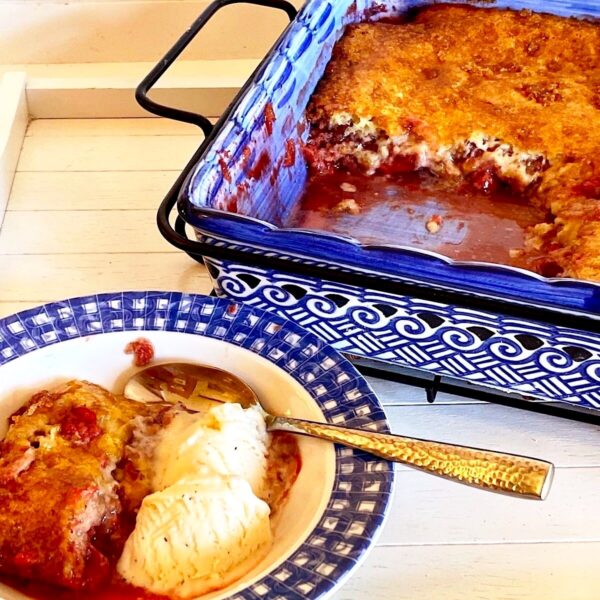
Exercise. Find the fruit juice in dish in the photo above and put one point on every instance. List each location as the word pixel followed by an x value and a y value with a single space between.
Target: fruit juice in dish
pixel 419 210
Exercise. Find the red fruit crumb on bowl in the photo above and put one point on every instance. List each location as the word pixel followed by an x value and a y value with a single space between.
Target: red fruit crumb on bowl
pixel 142 350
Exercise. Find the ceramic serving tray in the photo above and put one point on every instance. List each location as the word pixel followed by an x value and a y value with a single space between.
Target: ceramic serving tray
pixel 496 327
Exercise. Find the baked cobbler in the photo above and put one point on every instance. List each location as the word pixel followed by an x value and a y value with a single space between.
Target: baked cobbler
pixel 102 497
pixel 486 98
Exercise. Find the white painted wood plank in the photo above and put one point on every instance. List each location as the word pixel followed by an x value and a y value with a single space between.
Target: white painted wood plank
pixel 114 100
pixel 9 308
pixel 41 279
pixel 110 231
pixel 14 115
pixel 90 190
pixel 129 30
pixel 109 127
pixel 430 510
pixel 564 442
pixel 105 90
pixel 497 572
pixel 209 74
pixel 115 153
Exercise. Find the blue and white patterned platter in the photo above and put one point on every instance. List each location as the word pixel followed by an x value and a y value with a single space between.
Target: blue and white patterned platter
pixel 263 203
pixel 530 359
pixel 493 327
pixel 324 530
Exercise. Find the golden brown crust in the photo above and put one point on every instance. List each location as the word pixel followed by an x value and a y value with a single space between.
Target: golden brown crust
pixel 56 484
pixel 456 70
pixel 457 73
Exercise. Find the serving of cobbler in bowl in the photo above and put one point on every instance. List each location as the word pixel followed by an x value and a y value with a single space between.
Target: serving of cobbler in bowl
pixel 107 498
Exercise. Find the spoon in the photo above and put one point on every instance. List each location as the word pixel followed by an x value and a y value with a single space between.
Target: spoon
pixel 199 387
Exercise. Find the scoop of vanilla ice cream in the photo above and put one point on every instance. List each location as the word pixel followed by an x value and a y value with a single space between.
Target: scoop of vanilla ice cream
pixel 197 535
pixel 227 439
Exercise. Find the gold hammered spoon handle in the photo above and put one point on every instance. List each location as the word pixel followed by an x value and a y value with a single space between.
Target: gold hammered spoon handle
pixel 485 469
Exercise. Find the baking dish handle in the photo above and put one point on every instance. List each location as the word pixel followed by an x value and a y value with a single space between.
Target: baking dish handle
pixel 141 93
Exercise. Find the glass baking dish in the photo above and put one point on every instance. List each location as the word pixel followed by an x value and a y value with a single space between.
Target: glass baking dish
pixel 491 327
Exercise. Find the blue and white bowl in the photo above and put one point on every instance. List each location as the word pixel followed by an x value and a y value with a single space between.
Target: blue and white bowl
pixel 336 507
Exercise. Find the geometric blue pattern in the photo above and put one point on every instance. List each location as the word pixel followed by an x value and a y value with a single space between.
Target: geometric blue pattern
pixel 532 359
pixel 363 483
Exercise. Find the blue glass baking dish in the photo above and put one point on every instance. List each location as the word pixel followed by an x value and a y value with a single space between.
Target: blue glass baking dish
pixel 481 326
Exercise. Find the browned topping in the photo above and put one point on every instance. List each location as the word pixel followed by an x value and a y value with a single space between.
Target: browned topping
pixel 58 500
pixel 544 93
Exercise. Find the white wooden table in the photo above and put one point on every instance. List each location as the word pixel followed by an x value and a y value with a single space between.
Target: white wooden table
pixel 81 220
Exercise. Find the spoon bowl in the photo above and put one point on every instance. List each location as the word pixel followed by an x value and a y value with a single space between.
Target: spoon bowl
pixel 195 386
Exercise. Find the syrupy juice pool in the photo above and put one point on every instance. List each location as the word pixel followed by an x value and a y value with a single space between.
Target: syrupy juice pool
pixel 420 210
